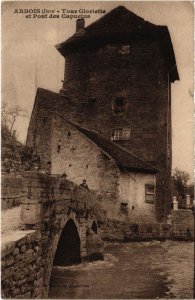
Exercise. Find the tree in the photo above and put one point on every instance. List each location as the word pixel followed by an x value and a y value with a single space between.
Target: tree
pixel 9 115
pixel 191 190
pixel 179 183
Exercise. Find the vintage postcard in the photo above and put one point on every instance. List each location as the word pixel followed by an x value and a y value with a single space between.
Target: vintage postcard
pixel 97 173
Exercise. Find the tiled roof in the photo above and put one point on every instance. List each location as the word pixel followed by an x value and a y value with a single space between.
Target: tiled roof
pixel 121 25
pixel 123 158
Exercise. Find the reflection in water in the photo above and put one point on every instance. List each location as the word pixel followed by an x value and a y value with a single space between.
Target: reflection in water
pixel 147 270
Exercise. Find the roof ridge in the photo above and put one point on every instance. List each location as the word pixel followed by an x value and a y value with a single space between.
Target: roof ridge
pixel 41 90
pixel 122 8
pixel 84 131
pixel 124 150
pixel 120 25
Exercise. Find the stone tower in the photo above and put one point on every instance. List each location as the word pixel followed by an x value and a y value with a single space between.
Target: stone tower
pixel 118 72
pixel 117 81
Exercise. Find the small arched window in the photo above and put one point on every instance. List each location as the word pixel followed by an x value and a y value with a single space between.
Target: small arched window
pixel 119 104
pixel 94 227
pixel 59 146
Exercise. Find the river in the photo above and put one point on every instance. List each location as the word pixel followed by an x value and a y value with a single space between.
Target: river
pixel 144 270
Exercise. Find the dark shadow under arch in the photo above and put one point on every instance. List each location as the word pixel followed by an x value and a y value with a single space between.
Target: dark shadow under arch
pixel 94 227
pixel 68 250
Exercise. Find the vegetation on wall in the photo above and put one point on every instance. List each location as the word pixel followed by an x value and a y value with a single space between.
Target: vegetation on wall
pixel 180 186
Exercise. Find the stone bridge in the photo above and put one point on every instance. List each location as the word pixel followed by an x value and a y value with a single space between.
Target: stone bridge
pixel 46 221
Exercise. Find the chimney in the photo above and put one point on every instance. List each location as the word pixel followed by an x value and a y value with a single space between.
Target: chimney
pixel 80 25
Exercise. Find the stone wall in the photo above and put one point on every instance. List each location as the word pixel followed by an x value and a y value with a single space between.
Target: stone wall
pixel 22 265
pixel 11 191
pixel 111 74
pixel 77 156
pixel 108 74
pixel 113 230
pixel 182 221
pixel 39 136
pixel 81 159
pixel 132 192
pixel 47 204
pixel 11 219
pixel 11 198
pixel 93 80
pixel 134 231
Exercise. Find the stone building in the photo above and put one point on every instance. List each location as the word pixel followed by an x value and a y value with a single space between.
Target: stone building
pixel 117 82
pixel 123 183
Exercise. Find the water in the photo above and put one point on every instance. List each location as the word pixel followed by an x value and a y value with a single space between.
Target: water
pixel 148 270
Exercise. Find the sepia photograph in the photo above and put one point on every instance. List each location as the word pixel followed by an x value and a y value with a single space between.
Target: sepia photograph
pixel 97 150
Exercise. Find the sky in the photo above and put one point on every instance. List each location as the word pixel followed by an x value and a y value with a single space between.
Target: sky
pixel 30 60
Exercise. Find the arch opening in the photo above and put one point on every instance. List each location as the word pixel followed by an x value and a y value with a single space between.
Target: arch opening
pixel 94 227
pixel 68 250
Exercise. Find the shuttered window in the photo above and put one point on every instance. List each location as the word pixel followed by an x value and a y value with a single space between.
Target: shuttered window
pixel 149 193
pixel 121 134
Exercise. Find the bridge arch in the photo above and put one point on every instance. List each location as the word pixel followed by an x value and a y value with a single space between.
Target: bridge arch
pixel 67 243
pixel 76 225
pixel 69 246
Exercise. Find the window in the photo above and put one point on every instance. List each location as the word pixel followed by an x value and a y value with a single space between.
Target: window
pixel 121 134
pixel 124 207
pixel 88 108
pixel 124 49
pixel 59 146
pixel 149 193
pixel 119 104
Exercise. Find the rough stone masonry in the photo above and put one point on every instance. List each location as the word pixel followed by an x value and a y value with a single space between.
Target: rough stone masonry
pixel 28 247
pixel 45 204
pixel 117 81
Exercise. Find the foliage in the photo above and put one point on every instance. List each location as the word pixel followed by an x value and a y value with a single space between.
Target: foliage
pixel 179 183
pixel 191 190
pixel 9 115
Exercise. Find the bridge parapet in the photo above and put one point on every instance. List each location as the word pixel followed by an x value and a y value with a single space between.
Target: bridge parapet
pixel 37 194
pixel 11 191
pixel 50 196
